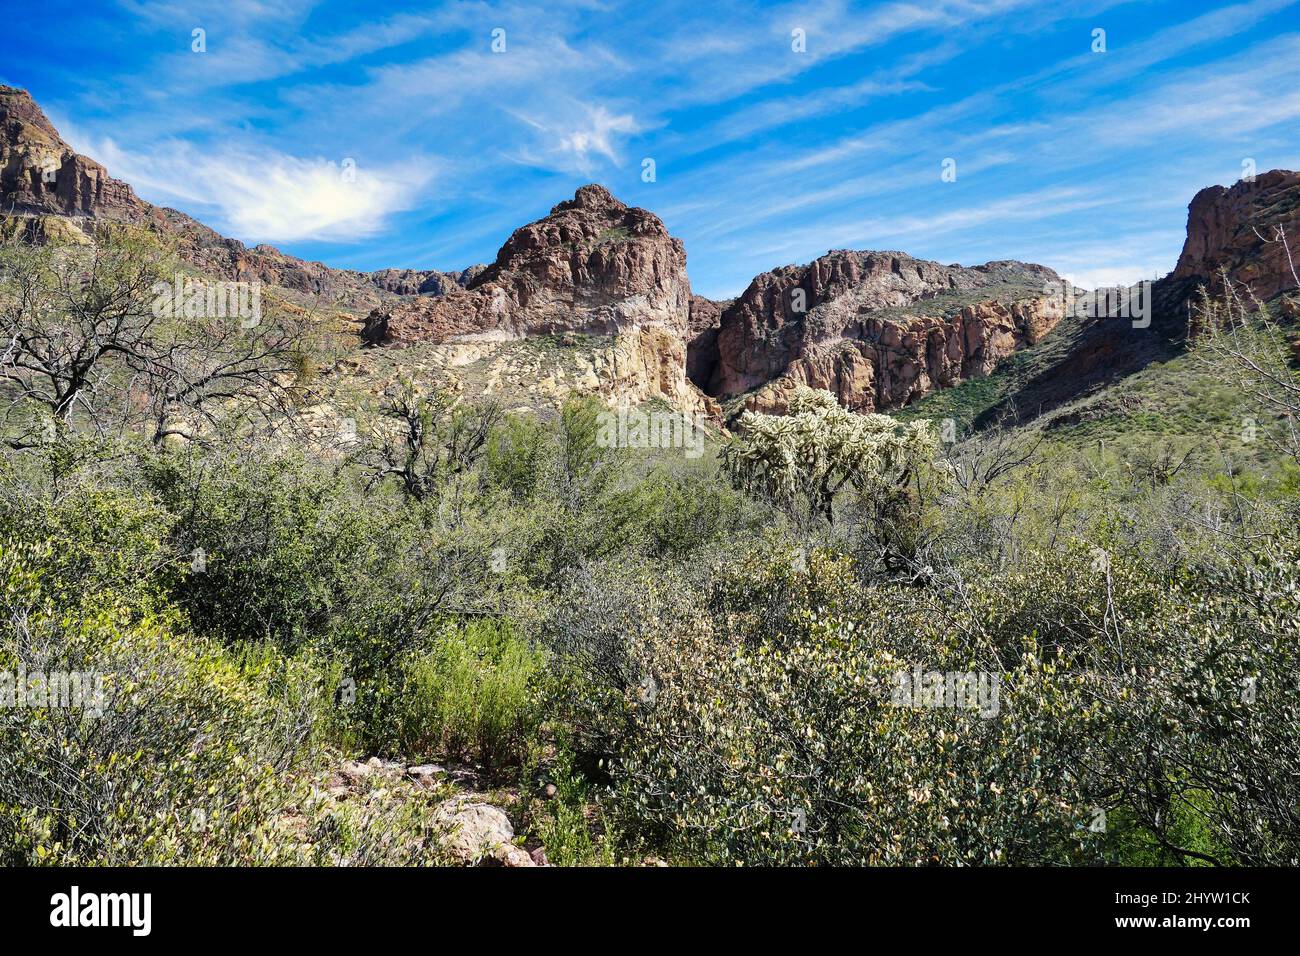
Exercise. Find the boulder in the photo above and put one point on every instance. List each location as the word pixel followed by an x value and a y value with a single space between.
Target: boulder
pixel 478 832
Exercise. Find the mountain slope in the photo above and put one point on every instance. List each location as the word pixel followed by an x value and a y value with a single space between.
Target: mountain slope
pixel 1229 230
pixel 879 329
pixel 594 298
pixel 46 186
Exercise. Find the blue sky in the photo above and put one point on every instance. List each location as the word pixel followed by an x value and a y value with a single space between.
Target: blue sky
pixel 764 155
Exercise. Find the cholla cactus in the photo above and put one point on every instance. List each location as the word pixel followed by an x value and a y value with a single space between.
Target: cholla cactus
pixel 820 448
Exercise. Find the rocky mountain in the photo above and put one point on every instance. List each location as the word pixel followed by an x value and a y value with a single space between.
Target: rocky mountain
pixel 1234 229
pixel 47 188
pixel 878 329
pixel 592 267
pixel 595 298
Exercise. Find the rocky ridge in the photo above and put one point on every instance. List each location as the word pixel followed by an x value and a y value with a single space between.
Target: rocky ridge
pixel 594 298
pixel 1234 229
pixel 47 188
pixel 879 329
pixel 593 267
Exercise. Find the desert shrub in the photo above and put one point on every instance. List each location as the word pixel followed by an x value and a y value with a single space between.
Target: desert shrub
pixel 599 623
pixel 202 754
pixel 588 509
pixel 474 692
pixel 768 733
pixel 92 539
pixel 177 762
pixel 570 832
pixel 428 566
pixel 788 750
pixel 687 507
pixel 269 544
pixel 517 457
pixel 1207 725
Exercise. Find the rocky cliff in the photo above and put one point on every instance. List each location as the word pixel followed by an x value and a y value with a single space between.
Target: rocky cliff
pixel 592 267
pixel 41 174
pixel 1235 229
pixel 1228 228
pixel 879 329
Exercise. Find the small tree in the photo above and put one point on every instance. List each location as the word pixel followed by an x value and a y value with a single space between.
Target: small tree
pixel 89 342
pixel 804 460
pixel 426 439
pixel 1236 334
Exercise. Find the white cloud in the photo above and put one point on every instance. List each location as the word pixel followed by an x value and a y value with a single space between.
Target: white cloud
pixel 596 135
pixel 266 196
pixel 574 139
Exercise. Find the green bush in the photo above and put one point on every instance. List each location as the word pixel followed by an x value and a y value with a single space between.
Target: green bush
pixel 268 546
pixel 474 692
pixel 179 761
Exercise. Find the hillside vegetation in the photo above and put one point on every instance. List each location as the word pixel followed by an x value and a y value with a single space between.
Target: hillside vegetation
pixel 828 639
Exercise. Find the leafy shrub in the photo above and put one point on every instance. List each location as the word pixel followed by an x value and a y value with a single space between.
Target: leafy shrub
pixel 269 544
pixel 183 763
pixel 472 693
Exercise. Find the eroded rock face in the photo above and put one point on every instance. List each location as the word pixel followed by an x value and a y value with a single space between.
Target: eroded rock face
pixel 704 322
pixel 896 362
pixel 1227 228
pixel 879 329
pixel 423 281
pixel 41 173
pixel 594 265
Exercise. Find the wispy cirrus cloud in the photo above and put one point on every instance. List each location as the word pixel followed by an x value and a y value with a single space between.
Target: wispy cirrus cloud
pixel 766 150
pixel 577 139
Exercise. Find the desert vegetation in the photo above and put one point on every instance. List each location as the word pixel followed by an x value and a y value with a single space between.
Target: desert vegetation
pixel 724 660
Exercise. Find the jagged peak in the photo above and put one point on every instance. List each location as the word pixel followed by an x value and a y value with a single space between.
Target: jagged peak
pixel 592 196
pixel 1233 228
pixel 16 104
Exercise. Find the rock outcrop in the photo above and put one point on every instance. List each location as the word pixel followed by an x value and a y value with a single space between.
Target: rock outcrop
pixel 593 267
pixel 423 281
pixel 704 321
pixel 1235 229
pixel 879 329
pixel 479 832
pixel 1228 228
pixel 41 174
pixel 895 363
